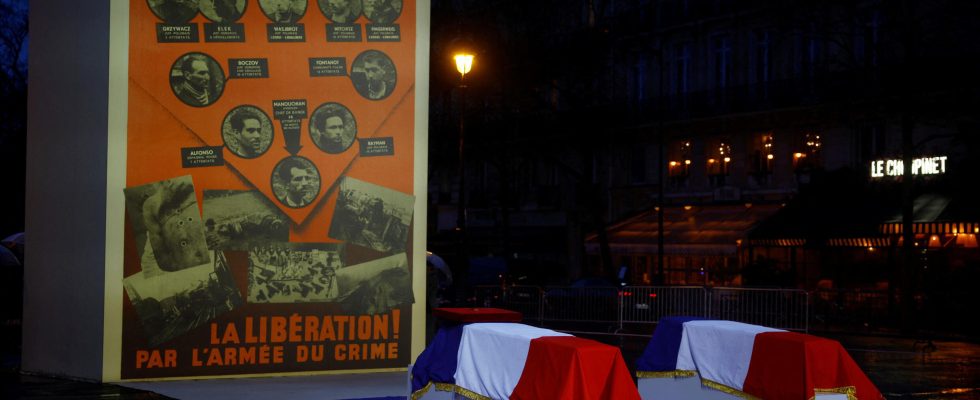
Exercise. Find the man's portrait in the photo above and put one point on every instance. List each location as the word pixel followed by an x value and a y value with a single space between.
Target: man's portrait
pixel 295 182
pixel 197 79
pixel 373 74
pixel 382 11
pixel 166 215
pixel 222 11
pixel 174 11
pixel 283 11
pixel 333 128
pixel 247 131
pixel 340 11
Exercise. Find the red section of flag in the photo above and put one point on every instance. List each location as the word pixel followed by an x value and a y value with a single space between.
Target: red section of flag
pixel 567 367
pixel 789 365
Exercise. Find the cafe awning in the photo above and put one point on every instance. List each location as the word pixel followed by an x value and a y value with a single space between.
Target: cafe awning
pixel 701 230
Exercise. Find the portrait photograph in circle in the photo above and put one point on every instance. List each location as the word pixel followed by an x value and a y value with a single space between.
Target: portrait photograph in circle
pixel 241 219
pixel 374 75
pixel 166 224
pixel 333 128
pixel 174 11
pixel 283 11
pixel 197 79
pixel 372 216
pixel 340 11
pixel 222 11
pixel 382 11
pixel 247 131
pixel 295 182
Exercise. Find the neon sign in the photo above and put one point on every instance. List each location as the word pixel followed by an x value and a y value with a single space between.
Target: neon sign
pixel 920 166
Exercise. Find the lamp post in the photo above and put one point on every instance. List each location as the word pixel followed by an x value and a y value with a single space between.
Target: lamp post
pixel 464 63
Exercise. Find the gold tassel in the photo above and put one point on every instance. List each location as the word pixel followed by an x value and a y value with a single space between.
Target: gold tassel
pixel 727 389
pixel 421 392
pixel 666 374
pixel 850 391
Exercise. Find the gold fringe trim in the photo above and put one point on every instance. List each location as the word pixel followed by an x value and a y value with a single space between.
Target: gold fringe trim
pixel 445 387
pixel 850 391
pixel 469 394
pixel 666 374
pixel 448 387
pixel 727 389
pixel 416 395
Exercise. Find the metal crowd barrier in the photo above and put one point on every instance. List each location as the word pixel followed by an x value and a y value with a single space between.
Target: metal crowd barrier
pixel 776 308
pixel 647 304
pixel 599 309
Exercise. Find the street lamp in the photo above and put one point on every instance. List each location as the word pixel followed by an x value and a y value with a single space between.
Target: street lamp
pixel 464 64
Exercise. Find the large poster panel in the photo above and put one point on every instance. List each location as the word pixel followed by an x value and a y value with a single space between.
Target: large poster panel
pixel 269 187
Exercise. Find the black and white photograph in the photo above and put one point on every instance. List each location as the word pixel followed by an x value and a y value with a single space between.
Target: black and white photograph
pixel 382 11
pixel 294 272
pixel 295 182
pixel 247 131
pixel 166 220
pixel 197 79
pixel 222 11
pixel 241 219
pixel 376 286
pixel 174 11
pixel 333 128
pixel 283 11
pixel 372 216
pixel 340 11
pixel 373 74
pixel 172 303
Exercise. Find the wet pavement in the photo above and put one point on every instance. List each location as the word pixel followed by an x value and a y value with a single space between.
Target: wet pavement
pixel 902 368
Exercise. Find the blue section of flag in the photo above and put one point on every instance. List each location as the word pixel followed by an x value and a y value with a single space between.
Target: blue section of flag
pixel 661 353
pixel 437 363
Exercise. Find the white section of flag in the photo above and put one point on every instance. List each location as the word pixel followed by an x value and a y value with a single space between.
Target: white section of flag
pixel 723 351
pixel 491 356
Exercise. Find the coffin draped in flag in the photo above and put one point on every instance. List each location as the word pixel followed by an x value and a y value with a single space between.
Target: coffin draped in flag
pixel 515 361
pixel 752 361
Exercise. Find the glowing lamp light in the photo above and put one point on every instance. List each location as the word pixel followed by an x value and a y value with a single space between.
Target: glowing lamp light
pixel 711 161
pixel 769 156
pixel 728 159
pixel 464 63
pixel 797 155
pixel 687 208
pixel 687 162
pixel 673 163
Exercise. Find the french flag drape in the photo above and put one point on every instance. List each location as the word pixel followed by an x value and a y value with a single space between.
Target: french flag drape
pixel 516 361
pixel 753 361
